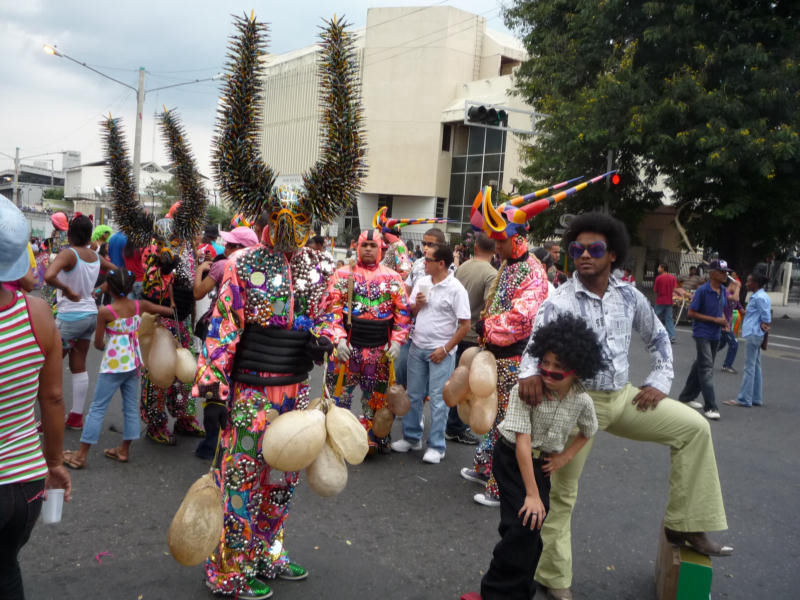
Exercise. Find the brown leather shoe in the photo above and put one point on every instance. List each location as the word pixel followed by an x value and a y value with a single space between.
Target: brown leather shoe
pixel 559 594
pixel 697 540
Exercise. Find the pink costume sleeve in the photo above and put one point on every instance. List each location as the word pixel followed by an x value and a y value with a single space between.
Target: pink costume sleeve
pixel 332 325
pixel 517 323
pixel 215 362
pixel 402 313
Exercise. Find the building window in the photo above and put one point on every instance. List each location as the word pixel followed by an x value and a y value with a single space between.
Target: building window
pixel 446 138
pixel 478 160
pixel 387 202
pixel 351 219
pixel 439 208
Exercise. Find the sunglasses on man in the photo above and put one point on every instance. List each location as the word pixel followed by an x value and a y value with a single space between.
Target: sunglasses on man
pixel 595 249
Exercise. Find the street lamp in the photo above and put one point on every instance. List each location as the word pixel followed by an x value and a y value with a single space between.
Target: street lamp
pixel 140 94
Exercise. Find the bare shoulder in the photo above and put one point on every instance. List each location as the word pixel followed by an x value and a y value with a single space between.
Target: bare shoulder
pixel 44 325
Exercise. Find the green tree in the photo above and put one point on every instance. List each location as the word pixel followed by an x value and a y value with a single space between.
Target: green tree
pixel 53 193
pixel 221 215
pixel 700 95
pixel 160 195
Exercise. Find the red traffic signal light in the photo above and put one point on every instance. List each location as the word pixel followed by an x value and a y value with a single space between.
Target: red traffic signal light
pixel 615 179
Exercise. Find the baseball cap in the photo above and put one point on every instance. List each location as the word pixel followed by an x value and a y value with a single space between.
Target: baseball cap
pixel 718 265
pixel 244 236
pixel 14 234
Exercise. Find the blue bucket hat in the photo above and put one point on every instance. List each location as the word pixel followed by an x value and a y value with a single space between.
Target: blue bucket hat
pixel 14 235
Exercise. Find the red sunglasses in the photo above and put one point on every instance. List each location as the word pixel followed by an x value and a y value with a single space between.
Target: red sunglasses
pixel 555 375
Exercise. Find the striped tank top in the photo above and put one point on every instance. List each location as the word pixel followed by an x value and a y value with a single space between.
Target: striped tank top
pixel 21 359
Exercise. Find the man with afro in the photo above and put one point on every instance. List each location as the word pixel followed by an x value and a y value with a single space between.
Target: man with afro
pixel 612 309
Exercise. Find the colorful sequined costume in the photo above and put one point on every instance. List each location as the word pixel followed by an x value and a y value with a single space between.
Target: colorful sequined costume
pixel 515 297
pixel 395 253
pixel 380 315
pixel 262 338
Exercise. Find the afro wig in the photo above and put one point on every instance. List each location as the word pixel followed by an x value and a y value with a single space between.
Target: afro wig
pixel 612 229
pixel 571 340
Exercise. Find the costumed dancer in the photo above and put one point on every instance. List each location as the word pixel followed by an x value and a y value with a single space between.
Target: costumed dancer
pixel 368 320
pixel 395 253
pixel 261 338
pixel 514 298
pixel 168 262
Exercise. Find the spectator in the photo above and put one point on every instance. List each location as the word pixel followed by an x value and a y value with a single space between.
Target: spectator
pixel 614 310
pixel 706 309
pixel 210 236
pixel 317 242
pixel 116 249
pixel 692 281
pixel 733 287
pixel 755 327
pixel 554 249
pixel 627 276
pixel 664 287
pixel 443 318
pixel 477 276
pixel 26 329
pixel 133 259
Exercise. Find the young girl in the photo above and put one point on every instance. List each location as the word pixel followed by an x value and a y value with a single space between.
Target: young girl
pixel 119 368
pixel 532 445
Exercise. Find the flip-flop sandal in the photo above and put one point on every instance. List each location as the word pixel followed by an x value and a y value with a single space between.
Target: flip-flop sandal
pixel 68 458
pixel 113 455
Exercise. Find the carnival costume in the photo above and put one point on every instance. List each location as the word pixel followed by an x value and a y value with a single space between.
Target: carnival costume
pixel 514 298
pixel 262 339
pixel 168 262
pixel 368 308
pixel 395 252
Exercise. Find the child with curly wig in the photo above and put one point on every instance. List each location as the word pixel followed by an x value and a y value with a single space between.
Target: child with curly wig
pixel 532 445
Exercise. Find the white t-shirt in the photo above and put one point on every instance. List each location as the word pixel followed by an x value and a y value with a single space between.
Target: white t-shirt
pixel 437 321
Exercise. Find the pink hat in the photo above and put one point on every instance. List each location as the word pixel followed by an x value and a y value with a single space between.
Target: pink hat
pixel 59 221
pixel 244 236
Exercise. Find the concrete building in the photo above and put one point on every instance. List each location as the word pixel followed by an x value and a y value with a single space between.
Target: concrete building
pixel 419 68
pixel 33 181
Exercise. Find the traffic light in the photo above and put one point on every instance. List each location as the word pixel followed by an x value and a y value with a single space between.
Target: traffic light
pixel 484 115
pixel 615 179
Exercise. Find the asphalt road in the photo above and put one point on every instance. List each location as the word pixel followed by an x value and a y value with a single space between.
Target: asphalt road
pixel 406 530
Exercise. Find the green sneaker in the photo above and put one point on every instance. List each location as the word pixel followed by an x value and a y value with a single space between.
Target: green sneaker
pixel 256 590
pixel 293 572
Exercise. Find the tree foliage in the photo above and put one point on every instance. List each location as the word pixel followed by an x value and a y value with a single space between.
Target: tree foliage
pixel 702 96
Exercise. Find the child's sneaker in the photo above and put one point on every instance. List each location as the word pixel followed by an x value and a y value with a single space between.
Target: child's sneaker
pixel 486 499
pixel 74 421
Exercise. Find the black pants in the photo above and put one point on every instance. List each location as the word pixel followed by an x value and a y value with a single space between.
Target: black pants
pixel 454 423
pixel 510 574
pixel 20 504
pixel 701 375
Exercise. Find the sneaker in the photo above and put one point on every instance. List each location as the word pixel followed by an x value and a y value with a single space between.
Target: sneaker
pixel 463 437
pixel 471 474
pixel 433 456
pixel 695 404
pixel 405 445
pixel 74 421
pixel 712 414
pixel 486 499
pixel 256 590
pixel 293 572
pixel 730 370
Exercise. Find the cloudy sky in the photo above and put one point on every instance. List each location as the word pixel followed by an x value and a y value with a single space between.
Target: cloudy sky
pixel 49 104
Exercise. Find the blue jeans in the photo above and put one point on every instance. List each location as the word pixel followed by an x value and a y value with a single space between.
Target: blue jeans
pixel 426 378
pixel 701 377
pixel 750 392
pixel 107 384
pixel 664 312
pixel 729 338
pixel 401 365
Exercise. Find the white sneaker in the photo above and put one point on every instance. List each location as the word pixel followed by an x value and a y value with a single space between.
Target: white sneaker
pixel 485 499
pixel 405 445
pixel 433 456
pixel 712 414
pixel 695 404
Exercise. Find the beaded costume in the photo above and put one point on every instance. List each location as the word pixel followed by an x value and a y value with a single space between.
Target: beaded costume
pixel 516 294
pixel 261 339
pixel 395 252
pixel 380 315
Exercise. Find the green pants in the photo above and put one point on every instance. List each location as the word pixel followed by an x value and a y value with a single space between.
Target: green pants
pixel 695 497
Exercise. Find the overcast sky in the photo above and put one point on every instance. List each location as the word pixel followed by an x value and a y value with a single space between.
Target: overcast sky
pixel 49 104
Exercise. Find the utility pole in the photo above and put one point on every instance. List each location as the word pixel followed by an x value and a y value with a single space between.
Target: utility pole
pixel 15 194
pixel 137 140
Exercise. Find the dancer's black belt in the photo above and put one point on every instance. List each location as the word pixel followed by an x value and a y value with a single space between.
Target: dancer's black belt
pixel 369 333
pixel 271 350
pixel 515 349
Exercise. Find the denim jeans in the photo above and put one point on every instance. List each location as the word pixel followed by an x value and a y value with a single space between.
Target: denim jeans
pixel 401 365
pixel 20 504
pixel 701 377
pixel 729 338
pixel 107 385
pixel 426 378
pixel 750 392
pixel 664 312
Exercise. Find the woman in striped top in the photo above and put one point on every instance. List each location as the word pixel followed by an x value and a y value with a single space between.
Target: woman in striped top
pixel 30 368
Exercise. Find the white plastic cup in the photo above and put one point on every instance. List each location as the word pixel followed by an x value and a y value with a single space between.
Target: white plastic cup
pixel 52 505
pixel 424 288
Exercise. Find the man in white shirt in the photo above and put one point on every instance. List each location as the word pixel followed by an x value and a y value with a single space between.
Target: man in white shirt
pixel 441 306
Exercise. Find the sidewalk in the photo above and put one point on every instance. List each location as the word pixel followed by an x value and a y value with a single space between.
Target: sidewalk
pixel 790 311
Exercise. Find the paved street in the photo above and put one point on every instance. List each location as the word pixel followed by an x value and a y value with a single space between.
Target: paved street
pixel 407 530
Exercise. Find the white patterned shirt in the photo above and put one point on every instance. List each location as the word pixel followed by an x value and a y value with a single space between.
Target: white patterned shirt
pixel 622 309
pixel 550 422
